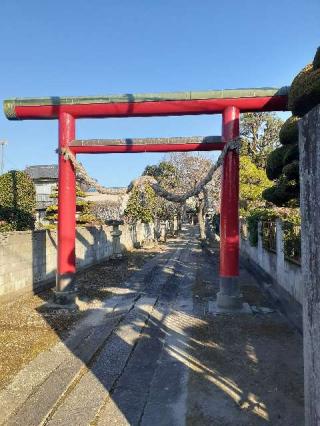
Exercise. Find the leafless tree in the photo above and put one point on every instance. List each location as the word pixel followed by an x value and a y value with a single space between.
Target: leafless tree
pixel 190 169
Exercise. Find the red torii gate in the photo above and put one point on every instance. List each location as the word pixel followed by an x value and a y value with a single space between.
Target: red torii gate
pixel 229 103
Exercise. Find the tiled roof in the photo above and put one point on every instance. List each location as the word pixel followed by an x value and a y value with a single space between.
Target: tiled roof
pixel 43 171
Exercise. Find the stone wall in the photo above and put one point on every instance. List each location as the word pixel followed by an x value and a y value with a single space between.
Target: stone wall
pixel 28 258
pixel 309 148
pixel 286 274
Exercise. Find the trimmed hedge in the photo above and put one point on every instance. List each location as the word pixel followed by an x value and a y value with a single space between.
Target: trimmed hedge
pixel 282 193
pixel 275 162
pixel 316 60
pixel 17 201
pixel 289 132
pixel 304 93
pixel 291 154
pixel 83 211
pixel 291 171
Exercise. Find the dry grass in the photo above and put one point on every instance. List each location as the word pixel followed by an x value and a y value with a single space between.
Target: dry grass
pixel 26 328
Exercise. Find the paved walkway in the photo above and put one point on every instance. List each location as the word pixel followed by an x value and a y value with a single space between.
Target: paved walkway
pixel 156 355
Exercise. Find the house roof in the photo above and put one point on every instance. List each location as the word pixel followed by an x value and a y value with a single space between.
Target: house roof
pixel 49 171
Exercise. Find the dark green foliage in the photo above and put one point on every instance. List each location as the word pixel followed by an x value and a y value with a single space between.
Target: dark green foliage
pixel 162 170
pixel 253 219
pixel 164 173
pixel 17 201
pixel 283 193
pixel 283 167
pixel 275 162
pixel 260 135
pixel 83 210
pixel 304 91
pixel 291 171
pixel 141 205
pixel 316 60
pixel 289 132
pixel 292 239
pixel 291 154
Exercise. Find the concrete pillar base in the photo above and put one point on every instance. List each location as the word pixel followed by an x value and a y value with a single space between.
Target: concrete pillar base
pixel 214 309
pixel 65 291
pixel 117 256
pixel 229 296
pixel 64 298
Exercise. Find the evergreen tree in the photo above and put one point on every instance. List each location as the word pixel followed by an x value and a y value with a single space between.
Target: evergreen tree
pixel 260 136
pixel 141 205
pixel 83 210
pixel 253 181
pixel 17 201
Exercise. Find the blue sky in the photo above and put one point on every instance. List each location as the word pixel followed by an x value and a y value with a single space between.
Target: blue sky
pixel 82 47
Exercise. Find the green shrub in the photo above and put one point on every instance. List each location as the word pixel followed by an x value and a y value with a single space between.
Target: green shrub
pixel 282 193
pixel 141 205
pixel 304 93
pixel 291 171
pixel 291 154
pixel 289 132
pixel 83 211
pixel 254 217
pixel 291 216
pixel 275 162
pixel 17 201
pixel 252 183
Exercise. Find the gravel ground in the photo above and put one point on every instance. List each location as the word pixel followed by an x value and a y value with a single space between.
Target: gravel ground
pixel 156 353
pixel 249 368
pixel 27 327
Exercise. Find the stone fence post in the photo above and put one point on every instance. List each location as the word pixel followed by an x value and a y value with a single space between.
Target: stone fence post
pixel 116 234
pixel 260 245
pixel 309 147
pixel 280 247
pixel 163 231
pixel 175 225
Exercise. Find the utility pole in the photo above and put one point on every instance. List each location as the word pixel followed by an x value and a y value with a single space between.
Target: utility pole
pixel 3 143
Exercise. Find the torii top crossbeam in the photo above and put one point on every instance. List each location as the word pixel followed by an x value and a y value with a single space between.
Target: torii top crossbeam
pixel 149 104
pixel 228 103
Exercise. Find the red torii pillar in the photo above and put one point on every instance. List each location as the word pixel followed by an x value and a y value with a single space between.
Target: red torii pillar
pixel 228 102
pixel 66 261
pixel 229 296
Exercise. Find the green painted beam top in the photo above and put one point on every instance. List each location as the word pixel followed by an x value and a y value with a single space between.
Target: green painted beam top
pixel 148 141
pixel 149 97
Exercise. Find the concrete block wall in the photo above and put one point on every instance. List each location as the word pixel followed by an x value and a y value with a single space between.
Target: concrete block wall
pixel 286 274
pixel 28 258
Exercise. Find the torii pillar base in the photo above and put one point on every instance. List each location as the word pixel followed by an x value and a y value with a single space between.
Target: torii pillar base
pixel 229 296
pixel 65 292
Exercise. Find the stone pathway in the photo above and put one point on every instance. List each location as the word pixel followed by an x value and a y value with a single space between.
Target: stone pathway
pixel 156 355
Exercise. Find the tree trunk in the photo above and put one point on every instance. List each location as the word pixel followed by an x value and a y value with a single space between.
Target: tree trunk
pixel 309 145
pixel 202 226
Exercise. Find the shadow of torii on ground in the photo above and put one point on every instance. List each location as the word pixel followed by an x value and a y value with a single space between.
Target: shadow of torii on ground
pixel 153 354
